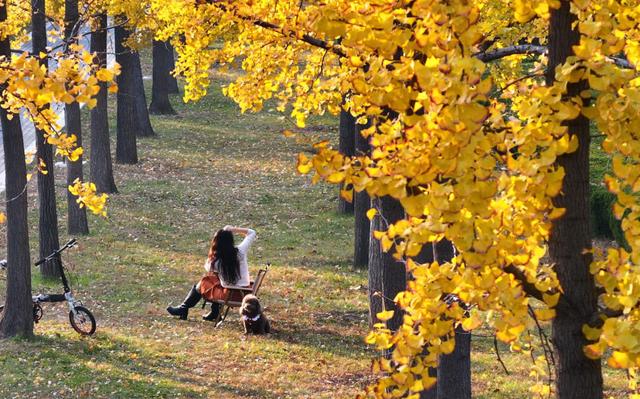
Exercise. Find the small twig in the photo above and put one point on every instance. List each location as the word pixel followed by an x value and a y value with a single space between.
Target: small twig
pixel 520 79
pixel 546 348
pixel 495 347
pixel 381 295
pixel 521 49
pixel 320 71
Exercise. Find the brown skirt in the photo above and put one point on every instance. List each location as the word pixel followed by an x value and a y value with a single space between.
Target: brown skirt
pixel 211 290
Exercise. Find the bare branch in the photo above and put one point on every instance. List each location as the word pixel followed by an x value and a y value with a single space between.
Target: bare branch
pixel 487 56
pixel 622 62
pixel 529 288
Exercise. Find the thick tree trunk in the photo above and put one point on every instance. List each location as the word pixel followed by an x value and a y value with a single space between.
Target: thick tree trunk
pixel 361 204
pixel 426 256
pixel 173 82
pixel 100 163
pixel 578 376
pixel 162 56
pixel 141 111
pixel 347 148
pixel 76 216
pixel 126 151
pixel 454 369
pixel 17 316
pixel 48 214
pixel 387 276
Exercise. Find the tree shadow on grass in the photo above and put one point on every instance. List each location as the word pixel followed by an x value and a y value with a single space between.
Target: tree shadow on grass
pixel 321 336
pixel 102 367
pixel 245 392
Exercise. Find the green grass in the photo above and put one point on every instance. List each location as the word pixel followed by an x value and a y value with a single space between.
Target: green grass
pixel 211 166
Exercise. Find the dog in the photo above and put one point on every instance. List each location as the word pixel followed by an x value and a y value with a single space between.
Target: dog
pixel 253 318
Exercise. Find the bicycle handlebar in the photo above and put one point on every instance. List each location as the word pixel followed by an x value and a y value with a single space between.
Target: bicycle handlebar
pixel 69 244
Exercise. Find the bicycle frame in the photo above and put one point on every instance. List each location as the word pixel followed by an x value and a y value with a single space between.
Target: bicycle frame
pixel 80 318
pixel 68 294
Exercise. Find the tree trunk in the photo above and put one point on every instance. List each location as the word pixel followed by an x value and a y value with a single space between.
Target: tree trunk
pixel 48 213
pixel 173 82
pixel 140 101
pixel 361 204
pixel 126 151
pixel 347 148
pixel 17 316
pixel 426 256
pixel 101 166
pixel 454 369
pixel 160 104
pixel 387 276
pixel 76 216
pixel 577 375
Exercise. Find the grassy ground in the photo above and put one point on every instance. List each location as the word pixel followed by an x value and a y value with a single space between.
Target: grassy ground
pixel 212 166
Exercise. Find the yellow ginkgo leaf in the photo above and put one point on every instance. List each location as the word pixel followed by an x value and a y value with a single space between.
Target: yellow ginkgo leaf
pixel 385 315
pixel 619 360
pixel 104 75
pixel 472 322
pixel 288 133
pixel 304 164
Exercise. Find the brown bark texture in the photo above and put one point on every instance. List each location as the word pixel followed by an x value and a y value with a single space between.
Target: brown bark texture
pixel 173 82
pixel 126 148
pixel 347 131
pixel 48 213
pixel 361 204
pixel 387 276
pixel 101 165
pixel 17 317
pixel 454 369
pixel 140 101
pixel 76 216
pixel 162 57
pixel 578 377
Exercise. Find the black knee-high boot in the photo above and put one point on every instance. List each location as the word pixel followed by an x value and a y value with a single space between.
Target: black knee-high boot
pixel 213 315
pixel 190 301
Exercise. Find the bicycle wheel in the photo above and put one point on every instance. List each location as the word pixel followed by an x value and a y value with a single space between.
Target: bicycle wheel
pixel 82 321
pixel 37 312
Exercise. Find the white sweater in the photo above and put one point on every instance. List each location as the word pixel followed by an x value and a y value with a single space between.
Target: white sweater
pixel 243 249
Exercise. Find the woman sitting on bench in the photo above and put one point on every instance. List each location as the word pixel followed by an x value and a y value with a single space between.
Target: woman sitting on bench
pixel 228 261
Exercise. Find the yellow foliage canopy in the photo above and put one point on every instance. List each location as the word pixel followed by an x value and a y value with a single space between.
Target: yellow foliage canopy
pixel 468 147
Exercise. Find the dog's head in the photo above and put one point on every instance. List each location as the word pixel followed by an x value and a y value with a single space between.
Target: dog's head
pixel 250 306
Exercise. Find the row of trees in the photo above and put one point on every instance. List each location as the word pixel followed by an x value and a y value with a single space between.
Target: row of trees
pixel 88 84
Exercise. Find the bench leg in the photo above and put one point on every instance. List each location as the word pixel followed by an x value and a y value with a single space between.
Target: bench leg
pixel 221 317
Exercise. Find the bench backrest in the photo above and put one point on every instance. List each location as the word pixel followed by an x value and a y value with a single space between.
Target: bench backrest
pixel 258 282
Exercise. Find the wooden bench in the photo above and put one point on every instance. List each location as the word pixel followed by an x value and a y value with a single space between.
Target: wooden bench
pixel 235 294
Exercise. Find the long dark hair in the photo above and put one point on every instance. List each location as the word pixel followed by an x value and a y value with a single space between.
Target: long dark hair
pixel 225 252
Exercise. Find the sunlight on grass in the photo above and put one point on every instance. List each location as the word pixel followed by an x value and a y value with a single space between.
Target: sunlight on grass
pixel 210 166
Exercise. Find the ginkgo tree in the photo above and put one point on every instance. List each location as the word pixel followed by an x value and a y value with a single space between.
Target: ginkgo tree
pixel 480 116
pixel 28 86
